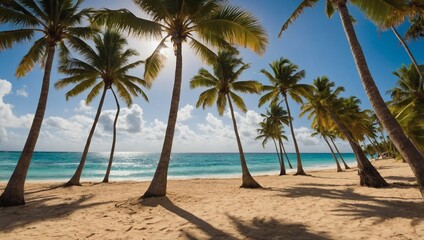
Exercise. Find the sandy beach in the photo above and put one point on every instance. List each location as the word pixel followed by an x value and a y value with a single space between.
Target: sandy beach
pixel 324 205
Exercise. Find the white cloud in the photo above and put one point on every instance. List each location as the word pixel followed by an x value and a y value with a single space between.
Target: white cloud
pixel 185 113
pixel 83 107
pixel 23 92
pixel 303 136
pixel 7 117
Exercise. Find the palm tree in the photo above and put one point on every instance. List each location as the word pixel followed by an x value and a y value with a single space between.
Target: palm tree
pixel 285 79
pixel 272 126
pixel 332 137
pixel 201 23
pixel 323 104
pixel 268 131
pixel 57 23
pixel 416 30
pixel 408 103
pixel 222 85
pixel 380 8
pixel 324 135
pixel 104 67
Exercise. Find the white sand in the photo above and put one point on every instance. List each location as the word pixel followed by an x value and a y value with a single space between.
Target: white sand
pixel 325 205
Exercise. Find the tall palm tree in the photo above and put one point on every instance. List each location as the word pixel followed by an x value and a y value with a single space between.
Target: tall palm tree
pixel 278 116
pixel 324 135
pixel 57 24
pixel 223 84
pixel 416 30
pixel 103 68
pixel 323 104
pixel 408 104
pixel 202 24
pixel 272 126
pixel 379 8
pixel 332 137
pixel 285 79
pixel 269 131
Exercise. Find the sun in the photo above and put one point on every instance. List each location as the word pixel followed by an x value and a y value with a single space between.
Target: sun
pixel 165 51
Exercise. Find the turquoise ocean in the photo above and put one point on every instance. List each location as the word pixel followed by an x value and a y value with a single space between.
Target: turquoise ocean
pixel 60 166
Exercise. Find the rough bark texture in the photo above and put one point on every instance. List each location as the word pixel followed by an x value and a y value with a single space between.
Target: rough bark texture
pixel 285 154
pixel 157 187
pixel 300 170
pixel 13 194
pixel 112 151
pixel 411 56
pixel 339 169
pixel 405 147
pixel 281 157
pixel 75 180
pixel 340 155
pixel 247 179
pixel 369 176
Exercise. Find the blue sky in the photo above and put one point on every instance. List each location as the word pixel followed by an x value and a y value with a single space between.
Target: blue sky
pixel 315 43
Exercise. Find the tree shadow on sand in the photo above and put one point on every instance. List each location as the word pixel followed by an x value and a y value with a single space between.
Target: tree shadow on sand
pixel 260 228
pixel 36 210
pixel 206 227
pixel 381 208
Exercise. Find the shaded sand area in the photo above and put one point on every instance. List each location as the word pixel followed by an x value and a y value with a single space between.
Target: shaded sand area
pixel 325 205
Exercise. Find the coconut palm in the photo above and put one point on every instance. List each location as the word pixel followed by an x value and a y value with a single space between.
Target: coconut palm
pixel 269 131
pixel 55 24
pixel 408 103
pixel 325 135
pixel 416 30
pixel 323 104
pixel 105 67
pixel 377 9
pixel 332 136
pixel 202 24
pixel 222 85
pixel 285 79
pixel 272 126
pixel 279 117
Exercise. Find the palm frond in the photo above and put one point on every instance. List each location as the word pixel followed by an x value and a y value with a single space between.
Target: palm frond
pixel 155 62
pixel 203 51
pixel 34 55
pixel 299 10
pixel 247 86
pixel 8 38
pixel 238 101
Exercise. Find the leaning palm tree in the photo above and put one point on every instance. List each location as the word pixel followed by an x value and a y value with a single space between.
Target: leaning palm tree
pixel 285 79
pixel 324 135
pixel 323 104
pixel 222 85
pixel 379 9
pixel 104 68
pixel 332 136
pixel 57 23
pixel 269 131
pixel 202 24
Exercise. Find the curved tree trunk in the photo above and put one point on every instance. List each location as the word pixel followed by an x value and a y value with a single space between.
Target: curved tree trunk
pixel 369 176
pixel 13 194
pixel 340 155
pixel 404 145
pixel 247 179
pixel 285 153
pixel 411 56
pixel 300 170
pixel 280 157
pixel 112 151
pixel 75 180
pixel 157 187
pixel 339 169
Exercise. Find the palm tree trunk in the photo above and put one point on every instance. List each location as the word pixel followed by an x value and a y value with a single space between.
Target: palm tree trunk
pixel 285 153
pixel 369 176
pixel 157 187
pixel 405 147
pixel 247 179
pixel 299 161
pixel 112 151
pixel 75 180
pixel 340 155
pixel 339 169
pixel 411 56
pixel 13 194
pixel 373 145
pixel 281 157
